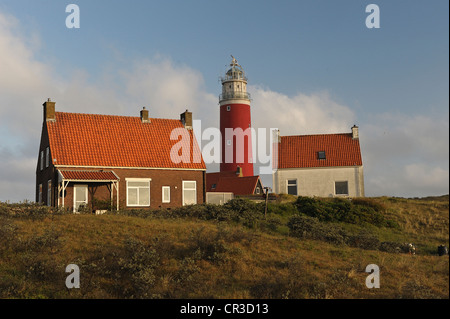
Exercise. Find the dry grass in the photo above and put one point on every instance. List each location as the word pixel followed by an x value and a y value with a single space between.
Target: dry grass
pixel 135 257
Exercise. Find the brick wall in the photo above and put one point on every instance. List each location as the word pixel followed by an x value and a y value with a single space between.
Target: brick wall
pixel 159 178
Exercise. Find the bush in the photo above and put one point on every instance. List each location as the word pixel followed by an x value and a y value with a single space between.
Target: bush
pixel 311 228
pixel 358 211
pixel 363 240
pixel 139 265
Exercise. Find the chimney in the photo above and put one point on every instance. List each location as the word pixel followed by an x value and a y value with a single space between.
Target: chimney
pixel 49 110
pixel 186 119
pixel 355 133
pixel 144 115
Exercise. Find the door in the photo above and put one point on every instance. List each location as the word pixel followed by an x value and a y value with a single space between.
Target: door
pixel 80 197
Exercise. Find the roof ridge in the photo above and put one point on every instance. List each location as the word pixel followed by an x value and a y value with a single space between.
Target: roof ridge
pixel 322 134
pixel 112 115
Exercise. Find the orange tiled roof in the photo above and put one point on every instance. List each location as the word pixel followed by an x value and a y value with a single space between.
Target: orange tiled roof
pixel 89 175
pixel 302 151
pixel 226 182
pixel 115 141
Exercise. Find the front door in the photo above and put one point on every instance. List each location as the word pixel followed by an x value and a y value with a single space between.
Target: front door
pixel 80 197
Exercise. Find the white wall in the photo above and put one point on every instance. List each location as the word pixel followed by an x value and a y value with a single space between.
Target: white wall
pixel 320 181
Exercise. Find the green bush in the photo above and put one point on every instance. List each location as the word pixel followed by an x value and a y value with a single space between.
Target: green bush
pixel 363 240
pixel 357 211
pixel 311 228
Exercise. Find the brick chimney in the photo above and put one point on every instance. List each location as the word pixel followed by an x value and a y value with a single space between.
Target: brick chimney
pixel 186 119
pixel 144 116
pixel 355 133
pixel 49 110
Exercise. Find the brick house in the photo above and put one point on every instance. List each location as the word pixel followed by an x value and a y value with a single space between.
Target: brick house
pixel 93 161
pixel 324 165
pixel 233 182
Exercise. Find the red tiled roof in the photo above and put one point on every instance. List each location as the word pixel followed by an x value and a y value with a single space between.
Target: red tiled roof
pixel 227 183
pixel 302 151
pixel 116 141
pixel 89 175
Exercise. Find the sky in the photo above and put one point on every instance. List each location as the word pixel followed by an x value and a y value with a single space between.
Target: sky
pixel 313 67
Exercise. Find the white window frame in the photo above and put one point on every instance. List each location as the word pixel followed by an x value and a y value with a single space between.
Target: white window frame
pixel 47 157
pixel 42 160
pixel 75 195
pixel 335 188
pixel 49 192
pixel 165 200
pixel 184 188
pixel 141 180
pixel 287 185
pixel 40 194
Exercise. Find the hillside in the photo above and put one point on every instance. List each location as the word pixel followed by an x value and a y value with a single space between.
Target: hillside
pixel 304 248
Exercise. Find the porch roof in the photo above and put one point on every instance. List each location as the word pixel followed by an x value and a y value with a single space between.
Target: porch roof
pixel 88 176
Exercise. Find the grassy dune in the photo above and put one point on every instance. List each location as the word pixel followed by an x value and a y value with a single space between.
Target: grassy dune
pixel 207 251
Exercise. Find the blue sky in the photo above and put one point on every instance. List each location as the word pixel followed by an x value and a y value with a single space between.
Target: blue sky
pixel 315 60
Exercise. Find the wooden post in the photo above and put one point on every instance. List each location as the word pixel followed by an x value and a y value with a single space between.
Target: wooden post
pixel 267 198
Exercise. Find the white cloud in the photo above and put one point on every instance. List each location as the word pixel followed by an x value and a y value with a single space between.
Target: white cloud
pixel 406 155
pixel 301 114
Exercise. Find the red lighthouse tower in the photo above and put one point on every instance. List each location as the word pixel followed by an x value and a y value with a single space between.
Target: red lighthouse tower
pixel 235 122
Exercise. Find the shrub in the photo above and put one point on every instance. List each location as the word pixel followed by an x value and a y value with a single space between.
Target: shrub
pixel 311 228
pixel 358 211
pixel 139 266
pixel 363 240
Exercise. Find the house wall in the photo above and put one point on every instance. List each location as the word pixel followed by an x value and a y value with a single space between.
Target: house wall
pixel 159 178
pixel 320 181
pixel 47 173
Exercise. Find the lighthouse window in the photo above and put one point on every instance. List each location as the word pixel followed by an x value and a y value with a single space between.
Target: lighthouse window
pixel 228 142
pixel 228 108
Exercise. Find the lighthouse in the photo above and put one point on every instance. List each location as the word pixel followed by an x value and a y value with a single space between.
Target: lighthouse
pixel 235 122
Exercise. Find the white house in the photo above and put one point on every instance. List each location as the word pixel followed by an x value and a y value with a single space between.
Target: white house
pixel 325 165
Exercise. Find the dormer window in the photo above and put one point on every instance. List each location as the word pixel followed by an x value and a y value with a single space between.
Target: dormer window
pixel 321 155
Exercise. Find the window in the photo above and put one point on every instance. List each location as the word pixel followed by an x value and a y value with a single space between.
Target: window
pixel 213 186
pixel 42 160
pixel 228 142
pixel 189 192
pixel 292 187
pixel 80 198
pixel 40 194
pixel 321 155
pixel 341 188
pixel 138 192
pixel 49 193
pixel 47 157
pixel 166 194
pixel 228 108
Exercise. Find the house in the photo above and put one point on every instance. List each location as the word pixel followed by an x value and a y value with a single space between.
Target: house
pixel 233 182
pixel 325 165
pixel 224 186
pixel 125 162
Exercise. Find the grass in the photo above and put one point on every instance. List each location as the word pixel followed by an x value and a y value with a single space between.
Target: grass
pixel 229 251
